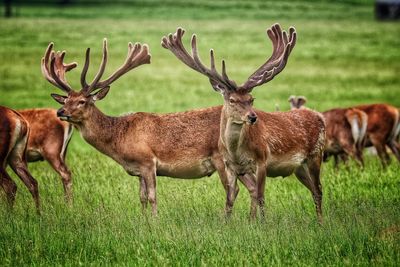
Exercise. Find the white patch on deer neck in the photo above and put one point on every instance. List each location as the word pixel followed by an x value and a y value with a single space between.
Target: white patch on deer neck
pixel 233 135
pixel 67 136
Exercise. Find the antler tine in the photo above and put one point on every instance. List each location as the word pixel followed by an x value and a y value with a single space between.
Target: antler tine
pixel 174 43
pixel 212 73
pixel 56 74
pixel 282 47
pixel 137 55
pixel 85 69
pixel 100 73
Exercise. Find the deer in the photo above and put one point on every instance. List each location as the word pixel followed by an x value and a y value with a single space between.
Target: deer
pixel 178 145
pixel 254 143
pixel 297 102
pixel 14 132
pixel 345 131
pixel 48 140
pixel 383 125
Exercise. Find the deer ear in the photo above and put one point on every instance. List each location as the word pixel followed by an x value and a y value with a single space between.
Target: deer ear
pixel 218 87
pixel 99 95
pixel 59 98
pixel 301 100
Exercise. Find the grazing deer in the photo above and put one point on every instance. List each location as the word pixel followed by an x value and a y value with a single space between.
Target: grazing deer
pixel 345 131
pixel 48 140
pixel 254 143
pixel 180 145
pixel 14 132
pixel 383 124
pixel 345 134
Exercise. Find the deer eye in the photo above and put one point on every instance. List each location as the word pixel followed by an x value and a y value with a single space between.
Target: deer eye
pixel 231 101
pixel 81 102
pixel 251 101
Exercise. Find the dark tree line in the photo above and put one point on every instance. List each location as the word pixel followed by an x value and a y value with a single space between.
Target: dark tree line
pixel 8 6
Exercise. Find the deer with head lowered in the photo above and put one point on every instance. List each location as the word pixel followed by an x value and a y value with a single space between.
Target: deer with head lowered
pixel 256 144
pixel 383 127
pixel 351 129
pixel 180 145
pixel 14 133
pixel 48 140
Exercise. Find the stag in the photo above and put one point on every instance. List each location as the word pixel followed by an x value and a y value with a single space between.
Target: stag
pixel 14 132
pixel 254 143
pixel 179 145
pixel 48 140
pixel 345 131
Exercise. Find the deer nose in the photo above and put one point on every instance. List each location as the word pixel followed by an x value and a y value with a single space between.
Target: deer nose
pixel 252 118
pixel 60 112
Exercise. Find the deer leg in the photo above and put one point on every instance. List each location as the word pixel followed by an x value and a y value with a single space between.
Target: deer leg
pixel 143 194
pixel 359 157
pixel 315 170
pixel 230 196
pixel 381 150
pixel 18 163
pixel 336 159
pixel 261 178
pixel 8 185
pixel 219 165
pixel 58 164
pixel 392 145
pixel 21 169
pixel 312 182
pixel 249 181
pixel 150 180
pixel 352 151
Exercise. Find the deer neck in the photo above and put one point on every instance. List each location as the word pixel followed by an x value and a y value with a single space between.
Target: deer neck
pixel 99 130
pixel 232 134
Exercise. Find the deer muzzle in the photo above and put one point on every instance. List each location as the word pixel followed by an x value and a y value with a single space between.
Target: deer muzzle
pixel 252 118
pixel 61 114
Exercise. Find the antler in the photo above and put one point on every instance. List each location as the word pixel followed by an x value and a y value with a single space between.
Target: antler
pixel 55 71
pixel 137 55
pixel 174 43
pixel 282 46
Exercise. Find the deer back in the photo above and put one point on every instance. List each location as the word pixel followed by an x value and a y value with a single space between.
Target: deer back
pixel 47 132
pixel 382 120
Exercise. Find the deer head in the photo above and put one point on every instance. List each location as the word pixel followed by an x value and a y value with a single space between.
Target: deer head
pixel 77 104
pixel 297 102
pixel 238 101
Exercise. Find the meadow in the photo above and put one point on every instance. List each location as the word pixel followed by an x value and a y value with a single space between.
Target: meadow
pixel 343 57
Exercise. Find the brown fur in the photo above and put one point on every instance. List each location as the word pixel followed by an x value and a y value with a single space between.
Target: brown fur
pixel 14 132
pixel 48 140
pixel 339 137
pixel 278 144
pixel 345 131
pixel 382 122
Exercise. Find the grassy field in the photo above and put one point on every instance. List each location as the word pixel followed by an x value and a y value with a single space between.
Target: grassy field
pixel 342 57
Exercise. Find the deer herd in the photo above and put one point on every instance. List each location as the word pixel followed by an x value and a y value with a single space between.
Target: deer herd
pixel 236 140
